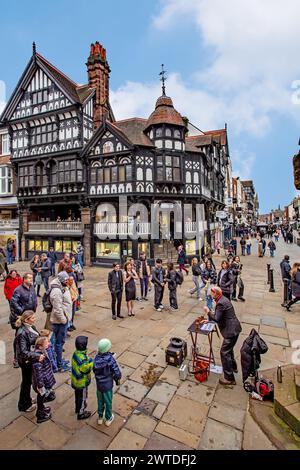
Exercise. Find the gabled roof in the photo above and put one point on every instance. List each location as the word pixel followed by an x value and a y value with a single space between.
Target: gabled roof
pixel 76 93
pixel 220 134
pixel 100 131
pixel 134 130
pixel 193 143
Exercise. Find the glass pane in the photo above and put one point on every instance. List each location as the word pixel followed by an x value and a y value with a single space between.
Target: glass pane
pixel 128 172
pixel 144 247
pixel 114 174
pixel 100 175
pixel 177 134
pixel 159 132
pixel 168 161
pixel 176 161
pixel 169 174
pixel 190 247
pixel 73 175
pixel 93 175
pixel 107 175
pixel 168 133
pixel 160 173
pixel 168 144
pixel 67 246
pixel 58 246
pixel 30 245
pixel 159 160
pixel 79 175
pixel 176 173
pixel 129 248
pixel 121 173
pixel 73 164
pixel 108 250
pixel 38 245
pixel 45 245
pixel 60 177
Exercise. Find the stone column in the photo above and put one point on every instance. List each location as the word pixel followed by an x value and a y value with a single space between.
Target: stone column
pixel 86 222
pixel 24 224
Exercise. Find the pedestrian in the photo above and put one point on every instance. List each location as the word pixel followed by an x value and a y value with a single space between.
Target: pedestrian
pixel 115 285
pixel 60 315
pixel 218 246
pixel 50 350
pixel 64 262
pixel 233 244
pixel 243 245
pixel 230 328
pixel 276 235
pixel 24 341
pixel 171 280
pixel 52 256
pixel 43 380
pixel 272 248
pixel 106 372
pixel 12 281
pixel 72 285
pixel 80 253
pixel 3 264
pixel 14 250
pixel 197 280
pixel 143 270
pixel 82 366
pixel 295 280
pixel 236 269
pixel 79 274
pixel 248 245
pixel 129 278
pixel 209 279
pixel 45 270
pixel 181 260
pixel 35 266
pixel 225 279
pixel 9 251
pixel 158 279
pixel 285 268
pixel 264 245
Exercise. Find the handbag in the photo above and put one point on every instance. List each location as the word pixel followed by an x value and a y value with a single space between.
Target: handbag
pixel 38 279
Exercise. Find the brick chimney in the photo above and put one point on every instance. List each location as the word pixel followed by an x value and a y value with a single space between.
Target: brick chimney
pixel 98 75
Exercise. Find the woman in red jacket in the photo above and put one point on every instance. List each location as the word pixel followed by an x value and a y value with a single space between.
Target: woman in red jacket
pixel 12 281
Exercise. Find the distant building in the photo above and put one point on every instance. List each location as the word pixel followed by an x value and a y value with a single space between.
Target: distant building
pixel 251 201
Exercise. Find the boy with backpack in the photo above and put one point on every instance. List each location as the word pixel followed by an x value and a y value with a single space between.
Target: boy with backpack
pixel 174 279
pixel 82 366
pixel 158 279
pixel 106 372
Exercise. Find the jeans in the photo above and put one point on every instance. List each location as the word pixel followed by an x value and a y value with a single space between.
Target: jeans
pixel 25 401
pixel 144 286
pixel 272 253
pixel 81 395
pixel 80 260
pixel 40 400
pixel 59 332
pixel 198 287
pixel 9 257
pixel 183 268
pixel 158 295
pixel 53 269
pixel 116 297
pixel 248 247
pixel 105 404
pixel 241 288
pixel 227 357
pixel 46 283
pixel 173 298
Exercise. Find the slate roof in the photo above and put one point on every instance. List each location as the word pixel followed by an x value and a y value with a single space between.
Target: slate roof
pixel 165 113
pixel 193 143
pixel 134 130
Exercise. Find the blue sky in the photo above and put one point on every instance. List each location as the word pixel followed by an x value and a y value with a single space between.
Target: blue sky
pixel 234 64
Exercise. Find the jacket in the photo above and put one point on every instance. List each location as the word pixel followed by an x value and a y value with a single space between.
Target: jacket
pixel 285 269
pixel 226 283
pixel 252 348
pixel 156 274
pixel 172 280
pixel 34 267
pixel 296 284
pixel 139 268
pixel 196 270
pixel 209 275
pixel 62 265
pixel 61 301
pixel 181 257
pixel 24 341
pixel 2 263
pixel 82 365
pixel 235 268
pixel 52 256
pixel 106 371
pixel 112 282
pixel 22 299
pixel 46 268
pixel 42 373
pixel 226 318
pixel 10 285
pixel 52 357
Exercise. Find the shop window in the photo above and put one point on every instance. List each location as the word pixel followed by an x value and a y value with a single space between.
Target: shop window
pixel 45 245
pixel 190 247
pixel 58 246
pixel 144 248
pixel 38 245
pixel 108 250
pixel 67 246
pixel 31 246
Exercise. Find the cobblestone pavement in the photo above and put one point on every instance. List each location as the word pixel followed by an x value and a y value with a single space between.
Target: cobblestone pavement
pixel 153 408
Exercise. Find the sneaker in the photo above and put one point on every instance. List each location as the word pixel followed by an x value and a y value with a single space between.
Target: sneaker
pixel 200 299
pixel 65 368
pixel 161 306
pixel 158 309
pixel 139 299
pixel 50 397
pixel 173 308
pixel 31 408
pixel 114 317
pixel 108 423
pixel 145 298
pixel 224 381
pixel 100 421
pixel 242 299
pixel 47 409
pixel 234 299
pixel 15 364
pixel 84 415
pixel 43 418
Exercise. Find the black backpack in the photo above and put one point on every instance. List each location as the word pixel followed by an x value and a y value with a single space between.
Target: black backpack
pixel 179 278
pixel 47 305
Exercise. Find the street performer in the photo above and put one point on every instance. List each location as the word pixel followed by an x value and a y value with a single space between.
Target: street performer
pixel 230 329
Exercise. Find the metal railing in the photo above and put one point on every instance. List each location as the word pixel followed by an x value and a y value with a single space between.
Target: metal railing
pixel 122 228
pixel 58 227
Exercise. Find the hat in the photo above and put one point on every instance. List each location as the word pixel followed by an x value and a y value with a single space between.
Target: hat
pixel 63 276
pixel 104 345
pixel 81 343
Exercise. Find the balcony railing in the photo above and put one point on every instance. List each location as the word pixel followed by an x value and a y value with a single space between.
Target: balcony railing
pixel 9 223
pixel 122 228
pixel 58 227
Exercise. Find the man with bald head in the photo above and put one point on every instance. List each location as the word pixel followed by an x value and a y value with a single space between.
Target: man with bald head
pixel 230 329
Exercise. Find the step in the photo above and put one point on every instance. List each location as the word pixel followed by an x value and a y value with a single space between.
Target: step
pixel 286 403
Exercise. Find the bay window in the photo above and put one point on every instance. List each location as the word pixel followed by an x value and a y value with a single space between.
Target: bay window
pixel 5 180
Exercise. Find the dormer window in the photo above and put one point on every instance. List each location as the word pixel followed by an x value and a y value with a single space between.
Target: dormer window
pixel 159 132
pixel 177 134
pixel 168 133
pixel 151 134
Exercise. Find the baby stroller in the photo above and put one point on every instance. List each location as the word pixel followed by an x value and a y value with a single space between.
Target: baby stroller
pixel 256 385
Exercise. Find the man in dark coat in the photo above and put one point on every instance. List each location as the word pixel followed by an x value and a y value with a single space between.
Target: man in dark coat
pixel 115 285
pixel 46 270
pixel 286 276
pixel 23 298
pixel 230 329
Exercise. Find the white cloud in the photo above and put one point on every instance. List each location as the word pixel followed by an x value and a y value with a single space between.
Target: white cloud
pixel 242 162
pixel 2 95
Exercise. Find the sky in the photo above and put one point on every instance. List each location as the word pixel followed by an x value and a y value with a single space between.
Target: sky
pixel 234 62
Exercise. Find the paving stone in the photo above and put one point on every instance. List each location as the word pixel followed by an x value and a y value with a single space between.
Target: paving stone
pixel 15 432
pixel 171 376
pixel 123 406
pixel 252 319
pixel 158 357
pixel 133 390
pixel 228 415
pixel 127 440
pixel 276 340
pixel 131 359
pixel 196 391
pixel 188 415
pixel 232 395
pixel 159 411
pixel 27 444
pixel 126 372
pixel 146 406
pixel 269 320
pixel 145 345
pixel 147 374
pixel 160 442
pixel 88 439
pixel 273 331
pixel 178 435
pixel 109 431
pixel 141 424
pixel 219 436
pixel 9 408
pixel 65 416
pixel 50 436
pixel 162 392
pixel 254 438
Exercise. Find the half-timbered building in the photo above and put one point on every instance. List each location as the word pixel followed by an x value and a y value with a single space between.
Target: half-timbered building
pixel 81 173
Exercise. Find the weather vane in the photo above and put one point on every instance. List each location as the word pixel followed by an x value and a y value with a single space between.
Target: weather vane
pixel 163 79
